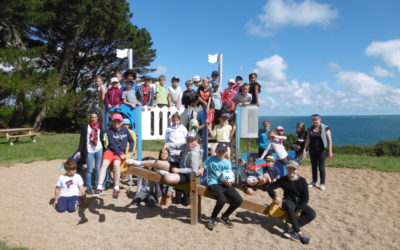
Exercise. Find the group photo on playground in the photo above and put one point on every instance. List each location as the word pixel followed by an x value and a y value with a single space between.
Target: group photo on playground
pixel 137 124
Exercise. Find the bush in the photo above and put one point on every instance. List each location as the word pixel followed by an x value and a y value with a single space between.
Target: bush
pixel 5 115
pixel 354 149
pixel 388 148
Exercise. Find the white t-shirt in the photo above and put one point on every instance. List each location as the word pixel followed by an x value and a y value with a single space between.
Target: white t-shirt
pixel 176 135
pixel 69 185
pixel 176 95
pixel 223 132
pixel 91 148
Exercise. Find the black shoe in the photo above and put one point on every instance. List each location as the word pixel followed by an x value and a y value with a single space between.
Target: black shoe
pixel 89 191
pixel 211 224
pixel 304 239
pixel 136 202
pixel 151 203
pixel 227 222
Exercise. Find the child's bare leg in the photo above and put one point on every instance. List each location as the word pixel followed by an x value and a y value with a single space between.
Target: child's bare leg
pixel 168 199
pixel 159 164
pixel 117 173
pixel 249 191
pixel 228 154
pixel 103 171
pixel 214 149
pixel 171 178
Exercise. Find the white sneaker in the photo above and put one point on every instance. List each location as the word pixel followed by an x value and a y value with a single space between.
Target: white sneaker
pixel 322 187
pixel 132 162
pixel 312 184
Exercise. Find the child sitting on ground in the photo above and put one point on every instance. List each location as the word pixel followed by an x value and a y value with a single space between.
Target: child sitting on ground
pixel 68 188
pixel 215 166
pixel 251 175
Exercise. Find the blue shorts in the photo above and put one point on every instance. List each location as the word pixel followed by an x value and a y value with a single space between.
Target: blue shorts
pixel 67 204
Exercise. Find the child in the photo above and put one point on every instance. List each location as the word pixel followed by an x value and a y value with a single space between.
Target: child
pixel 298 147
pixel 295 199
pixel 114 95
pixel 129 75
pixel 129 96
pixel 238 83
pixel 189 97
pixel 224 133
pixel 229 93
pixel 255 89
pixel 275 141
pixel 68 188
pixel 243 97
pixel 204 93
pixel 146 93
pixel 271 173
pixel 249 170
pixel 194 123
pixel 215 78
pixel 118 137
pixel 215 165
pixel 217 102
pixel 161 92
pixel 262 140
pixel 175 93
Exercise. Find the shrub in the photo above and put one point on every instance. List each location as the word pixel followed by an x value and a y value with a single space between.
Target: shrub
pixel 388 148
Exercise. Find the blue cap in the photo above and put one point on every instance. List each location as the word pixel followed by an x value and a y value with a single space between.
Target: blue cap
pixel 222 147
pixel 215 73
pixel 126 121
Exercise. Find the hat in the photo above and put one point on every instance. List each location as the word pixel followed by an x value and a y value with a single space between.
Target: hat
pixel 192 134
pixel 196 78
pixel 270 158
pixel 239 78
pixel 130 82
pixel 114 79
pixel 175 78
pixel 215 73
pixel 222 147
pixel 225 115
pixel 126 121
pixel 279 128
pixel 117 117
pixel 231 81
pixel 293 164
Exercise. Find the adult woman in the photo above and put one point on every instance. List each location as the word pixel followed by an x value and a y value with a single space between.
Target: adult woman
pixel 295 199
pixel 319 142
pixel 90 149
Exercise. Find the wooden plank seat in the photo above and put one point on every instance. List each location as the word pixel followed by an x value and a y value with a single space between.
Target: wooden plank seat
pixel 15 133
pixel 196 191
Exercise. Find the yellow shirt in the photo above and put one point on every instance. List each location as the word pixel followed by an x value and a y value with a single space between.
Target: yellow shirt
pixel 222 132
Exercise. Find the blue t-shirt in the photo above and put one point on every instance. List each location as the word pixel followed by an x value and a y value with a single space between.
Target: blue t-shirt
pixel 215 167
pixel 272 172
pixel 217 99
pixel 263 138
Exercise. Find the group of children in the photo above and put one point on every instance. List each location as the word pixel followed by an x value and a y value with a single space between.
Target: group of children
pixel 178 160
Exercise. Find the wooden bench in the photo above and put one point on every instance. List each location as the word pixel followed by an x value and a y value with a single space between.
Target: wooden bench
pixel 16 133
pixel 196 191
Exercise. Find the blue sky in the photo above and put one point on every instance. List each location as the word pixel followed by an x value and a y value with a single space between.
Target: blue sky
pixel 334 57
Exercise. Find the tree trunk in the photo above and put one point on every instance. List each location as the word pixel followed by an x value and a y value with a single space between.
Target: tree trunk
pixel 40 117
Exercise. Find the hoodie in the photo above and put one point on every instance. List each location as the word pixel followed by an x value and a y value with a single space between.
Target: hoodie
pixel 190 158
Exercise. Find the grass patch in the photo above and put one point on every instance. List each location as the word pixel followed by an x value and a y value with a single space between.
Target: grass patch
pixel 3 246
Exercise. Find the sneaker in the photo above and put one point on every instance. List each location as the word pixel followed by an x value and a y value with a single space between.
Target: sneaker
pixel 115 194
pixel 132 162
pixel 322 187
pixel 312 184
pixel 290 234
pixel 98 192
pixel 89 191
pixel 151 202
pixel 227 222
pixel 136 201
pixel 211 224
pixel 304 239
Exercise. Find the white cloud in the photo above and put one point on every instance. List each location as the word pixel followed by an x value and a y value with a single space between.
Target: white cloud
pixel 389 51
pixel 381 72
pixel 357 93
pixel 332 66
pixel 272 68
pixel 161 70
pixel 278 14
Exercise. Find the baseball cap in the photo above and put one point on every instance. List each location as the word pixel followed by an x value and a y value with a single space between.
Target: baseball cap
pixel 222 147
pixel 293 164
pixel 196 78
pixel 114 79
pixel 117 117
pixel 175 78
pixel 270 158
pixel 126 121
pixel 279 128
pixel 192 134
pixel 231 81
pixel 225 115
pixel 215 73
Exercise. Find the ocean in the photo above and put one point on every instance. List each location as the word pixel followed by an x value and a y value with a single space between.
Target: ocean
pixel 356 130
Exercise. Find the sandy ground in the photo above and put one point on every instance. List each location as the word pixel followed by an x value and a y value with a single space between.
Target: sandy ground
pixel 359 210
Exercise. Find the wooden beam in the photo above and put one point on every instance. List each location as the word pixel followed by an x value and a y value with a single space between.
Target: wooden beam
pixel 194 212
pixel 201 190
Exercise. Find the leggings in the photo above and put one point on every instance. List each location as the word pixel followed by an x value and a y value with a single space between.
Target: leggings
pixel 318 163
pixel 307 215
pixel 221 191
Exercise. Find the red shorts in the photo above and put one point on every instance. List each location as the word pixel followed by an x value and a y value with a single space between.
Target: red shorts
pixel 110 156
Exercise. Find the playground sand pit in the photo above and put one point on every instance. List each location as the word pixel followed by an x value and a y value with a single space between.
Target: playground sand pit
pixel 359 210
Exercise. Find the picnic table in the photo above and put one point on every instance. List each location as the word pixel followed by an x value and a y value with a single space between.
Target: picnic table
pixel 16 133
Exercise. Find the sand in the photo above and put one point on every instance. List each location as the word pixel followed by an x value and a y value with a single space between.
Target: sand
pixel 359 210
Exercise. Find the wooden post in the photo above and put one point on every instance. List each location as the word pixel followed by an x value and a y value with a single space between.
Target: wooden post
pixel 194 205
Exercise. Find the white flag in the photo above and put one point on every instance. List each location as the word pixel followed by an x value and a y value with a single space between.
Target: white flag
pixel 213 58
pixel 122 53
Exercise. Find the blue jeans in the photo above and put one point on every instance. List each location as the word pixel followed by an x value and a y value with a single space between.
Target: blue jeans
pixel 96 157
pixel 67 204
